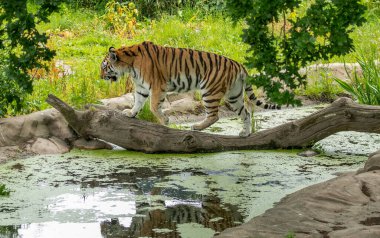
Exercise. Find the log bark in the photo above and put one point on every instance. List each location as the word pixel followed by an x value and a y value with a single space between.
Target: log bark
pixel 134 134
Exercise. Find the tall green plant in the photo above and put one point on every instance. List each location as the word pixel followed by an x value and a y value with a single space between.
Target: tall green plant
pixel 320 33
pixel 366 87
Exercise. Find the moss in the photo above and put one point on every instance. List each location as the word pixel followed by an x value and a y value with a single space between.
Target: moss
pixel 4 191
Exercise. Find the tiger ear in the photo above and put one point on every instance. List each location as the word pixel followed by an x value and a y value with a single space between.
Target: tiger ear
pixel 112 53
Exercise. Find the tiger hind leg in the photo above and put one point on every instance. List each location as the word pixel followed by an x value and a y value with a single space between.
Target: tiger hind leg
pixel 212 109
pixel 235 102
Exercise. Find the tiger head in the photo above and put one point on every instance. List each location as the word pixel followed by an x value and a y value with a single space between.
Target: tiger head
pixel 107 71
pixel 118 61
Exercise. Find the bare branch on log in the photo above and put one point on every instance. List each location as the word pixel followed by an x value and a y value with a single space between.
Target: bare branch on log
pixel 134 134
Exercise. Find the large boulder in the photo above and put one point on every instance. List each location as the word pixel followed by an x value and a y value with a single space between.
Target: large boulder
pixel 43 124
pixel 346 206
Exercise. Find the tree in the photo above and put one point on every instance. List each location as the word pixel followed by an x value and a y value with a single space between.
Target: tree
pixel 342 115
pixel 320 32
pixel 22 48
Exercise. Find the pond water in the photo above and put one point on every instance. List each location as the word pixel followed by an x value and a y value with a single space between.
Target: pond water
pixel 130 194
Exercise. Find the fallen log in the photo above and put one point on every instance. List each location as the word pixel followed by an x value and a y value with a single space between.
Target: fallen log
pixel 135 134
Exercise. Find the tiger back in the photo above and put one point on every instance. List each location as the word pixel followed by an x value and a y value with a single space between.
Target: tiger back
pixel 157 70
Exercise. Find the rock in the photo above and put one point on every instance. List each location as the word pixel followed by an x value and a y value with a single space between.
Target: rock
pixel 346 206
pixel 342 71
pixel 52 145
pixel 308 153
pixel 184 106
pixel 373 163
pixel 171 97
pixel 42 124
pixel 82 143
pixel 119 103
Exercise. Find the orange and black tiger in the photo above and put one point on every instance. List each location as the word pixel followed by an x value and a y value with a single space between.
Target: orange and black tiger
pixel 157 70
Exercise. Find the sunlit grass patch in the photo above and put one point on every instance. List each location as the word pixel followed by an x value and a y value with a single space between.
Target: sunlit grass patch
pixel 321 87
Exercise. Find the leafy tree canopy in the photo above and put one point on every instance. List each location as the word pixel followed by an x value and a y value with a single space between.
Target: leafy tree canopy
pixel 22 48
pixel 320 32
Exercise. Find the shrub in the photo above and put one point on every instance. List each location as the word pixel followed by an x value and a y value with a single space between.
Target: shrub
pixel 121 18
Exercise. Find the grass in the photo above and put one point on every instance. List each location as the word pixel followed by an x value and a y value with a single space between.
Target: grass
pixel 81 39
pixel 290 235
pixel 321 87
pixel 146 114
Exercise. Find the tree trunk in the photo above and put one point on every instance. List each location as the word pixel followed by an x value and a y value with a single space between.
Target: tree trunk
pixel 134 134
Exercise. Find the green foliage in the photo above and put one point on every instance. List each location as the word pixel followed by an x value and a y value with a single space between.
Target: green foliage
pixel 89 40
pixel 290 235
pixel 155 9
pixel 121 18
pixel 320 33
pixel 373 7
pixel 205 34
pixel 4 191
pixel 322 87
pixel 23 48
pixel 366 87
pixel 92 4
pixel 81 37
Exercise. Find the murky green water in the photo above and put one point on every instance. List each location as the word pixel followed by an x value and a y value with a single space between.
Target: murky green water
pixel 128 194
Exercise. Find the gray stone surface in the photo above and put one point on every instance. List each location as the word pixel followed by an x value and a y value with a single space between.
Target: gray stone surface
pixel 52 145
pixel 42 124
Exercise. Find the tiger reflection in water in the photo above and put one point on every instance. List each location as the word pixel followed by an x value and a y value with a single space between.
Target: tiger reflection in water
pixel 211 214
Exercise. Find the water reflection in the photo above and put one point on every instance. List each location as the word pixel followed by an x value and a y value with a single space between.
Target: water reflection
pixel 134 196
pixel 122 203
pixel 163 222
pixel 9 231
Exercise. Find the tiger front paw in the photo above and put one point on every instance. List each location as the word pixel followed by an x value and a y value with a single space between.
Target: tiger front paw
pixel 128 113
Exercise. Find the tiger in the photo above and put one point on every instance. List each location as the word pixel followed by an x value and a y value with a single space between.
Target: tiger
pixel 157 70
